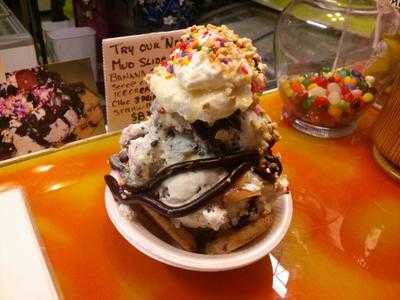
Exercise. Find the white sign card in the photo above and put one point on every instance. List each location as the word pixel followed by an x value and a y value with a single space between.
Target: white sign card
pixel 24 273
pixel 126 62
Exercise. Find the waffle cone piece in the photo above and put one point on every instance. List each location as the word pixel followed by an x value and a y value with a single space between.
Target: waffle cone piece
pixel 386 133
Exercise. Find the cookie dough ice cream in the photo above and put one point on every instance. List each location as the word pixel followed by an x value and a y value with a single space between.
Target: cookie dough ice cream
pixel 203 162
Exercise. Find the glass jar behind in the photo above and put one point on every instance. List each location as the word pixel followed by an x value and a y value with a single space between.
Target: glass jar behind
pixel 385 62
pixel 320 51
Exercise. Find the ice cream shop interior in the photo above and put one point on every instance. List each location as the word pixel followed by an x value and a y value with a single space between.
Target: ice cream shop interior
pixel 176 149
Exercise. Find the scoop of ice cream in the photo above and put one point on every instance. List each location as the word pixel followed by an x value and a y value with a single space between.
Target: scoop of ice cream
pixel 225 213
pixel 183 188
pixel 211 74
pixel 204 105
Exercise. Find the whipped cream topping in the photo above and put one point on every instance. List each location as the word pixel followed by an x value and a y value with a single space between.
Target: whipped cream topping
pixel 199 74
pixel 204 105
pixel 211 73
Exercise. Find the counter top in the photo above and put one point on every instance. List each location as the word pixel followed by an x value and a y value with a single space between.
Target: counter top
pixel 343 241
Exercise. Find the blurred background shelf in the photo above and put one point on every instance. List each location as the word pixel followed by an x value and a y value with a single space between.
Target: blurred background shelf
pixel 255 19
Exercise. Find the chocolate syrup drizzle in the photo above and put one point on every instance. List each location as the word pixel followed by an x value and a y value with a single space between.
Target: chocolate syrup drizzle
pixel 236 164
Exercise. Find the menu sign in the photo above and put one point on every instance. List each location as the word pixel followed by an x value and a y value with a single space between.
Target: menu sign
pixel 126 62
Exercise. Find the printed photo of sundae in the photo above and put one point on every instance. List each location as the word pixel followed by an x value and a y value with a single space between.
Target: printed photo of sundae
pixel 39 110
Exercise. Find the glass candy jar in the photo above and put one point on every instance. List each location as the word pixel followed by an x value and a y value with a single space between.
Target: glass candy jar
pixel 321 48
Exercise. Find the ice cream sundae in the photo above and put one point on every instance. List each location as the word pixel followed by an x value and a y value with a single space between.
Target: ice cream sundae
pixel 201 167
pixel 39 110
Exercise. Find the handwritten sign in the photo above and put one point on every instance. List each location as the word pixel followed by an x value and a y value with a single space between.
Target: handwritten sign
pixel 126 62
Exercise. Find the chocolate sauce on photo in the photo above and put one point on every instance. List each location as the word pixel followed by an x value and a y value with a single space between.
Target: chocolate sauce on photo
pixel 38 129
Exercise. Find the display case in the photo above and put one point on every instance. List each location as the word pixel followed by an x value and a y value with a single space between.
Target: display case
pixel 16 44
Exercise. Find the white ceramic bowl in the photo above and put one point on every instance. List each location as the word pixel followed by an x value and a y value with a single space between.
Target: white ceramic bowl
pixel 139 237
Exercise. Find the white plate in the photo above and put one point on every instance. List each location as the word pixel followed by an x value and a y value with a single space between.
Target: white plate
pixel 147 243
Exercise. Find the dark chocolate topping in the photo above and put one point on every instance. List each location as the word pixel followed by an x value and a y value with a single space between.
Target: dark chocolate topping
pixel 236 163
pixel 7 150
pixel 116 163
pixel 272 168
pixel 32 128
pixel 70 138
pixel 227 161
pixel 3 91
pixel 11 90
pixel 123 156
pixel 207 132
pixel 4 122
pixel 179 211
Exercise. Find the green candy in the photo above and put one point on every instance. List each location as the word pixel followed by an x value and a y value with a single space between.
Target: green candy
pixel 326 70
pixel 343 105
pixel 308 102
pixel 362 85
pixel 343 73
pixel 306 82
